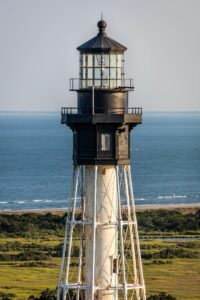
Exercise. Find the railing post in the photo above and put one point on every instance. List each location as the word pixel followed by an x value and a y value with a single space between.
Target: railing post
pixel 93 99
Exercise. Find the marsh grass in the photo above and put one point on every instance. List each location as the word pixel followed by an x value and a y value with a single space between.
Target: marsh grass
pixel 177 276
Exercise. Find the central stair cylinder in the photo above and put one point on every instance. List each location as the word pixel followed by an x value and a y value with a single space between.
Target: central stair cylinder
pixel 106 229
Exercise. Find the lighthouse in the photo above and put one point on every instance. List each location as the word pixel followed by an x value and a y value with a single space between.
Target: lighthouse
pixel 101 253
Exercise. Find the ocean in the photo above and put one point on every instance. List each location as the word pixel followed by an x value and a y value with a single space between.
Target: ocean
pixel 36 160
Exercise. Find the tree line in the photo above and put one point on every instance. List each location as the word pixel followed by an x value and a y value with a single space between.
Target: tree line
pixel 30 224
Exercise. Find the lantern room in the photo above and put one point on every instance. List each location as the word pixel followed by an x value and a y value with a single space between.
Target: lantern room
pixel 101 61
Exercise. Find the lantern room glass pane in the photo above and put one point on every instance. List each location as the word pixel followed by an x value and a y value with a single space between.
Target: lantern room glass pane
pixel 83 73
pixel 84 60
pixel 113 73
pixel 97 83
pixel 97 73
pixel 113 83
pixel 105 83
pixel 105 60
pixel 90 60
pixel 90 73
pixel 119 60
pixel 89 82
pixel 119 82
pixel 119 73
pixel 113 60
pixel 83 84
pixel 97 60
pixel 105 73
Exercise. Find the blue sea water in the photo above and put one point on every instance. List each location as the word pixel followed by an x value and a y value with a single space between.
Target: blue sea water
pixel 36 160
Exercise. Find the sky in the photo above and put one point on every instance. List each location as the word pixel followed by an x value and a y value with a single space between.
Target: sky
pixel 38 40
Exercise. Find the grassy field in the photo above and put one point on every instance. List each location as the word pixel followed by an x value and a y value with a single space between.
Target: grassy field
pixel 176 275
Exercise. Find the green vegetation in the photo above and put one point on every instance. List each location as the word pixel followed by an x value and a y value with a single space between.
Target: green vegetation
pixel 6 296
pixel 31 246
pixel 161 296
pixel 31 225
pixel 151 222
pixel 45 295
pixel 166 221
pixel 51 295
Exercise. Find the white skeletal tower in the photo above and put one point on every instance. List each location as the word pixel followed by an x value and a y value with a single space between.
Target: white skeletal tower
pixel 101 253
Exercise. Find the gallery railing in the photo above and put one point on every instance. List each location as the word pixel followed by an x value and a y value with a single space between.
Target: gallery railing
pixel 102 110
pixel 77 83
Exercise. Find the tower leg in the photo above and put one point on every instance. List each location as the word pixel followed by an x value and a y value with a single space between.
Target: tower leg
pixel 137 252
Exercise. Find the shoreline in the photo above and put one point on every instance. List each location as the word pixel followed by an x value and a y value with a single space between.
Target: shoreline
pixel 184 208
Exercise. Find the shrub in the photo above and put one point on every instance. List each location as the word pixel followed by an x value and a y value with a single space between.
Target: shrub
pixel 162 262
pixel 171 252
pixel 6 296
pixel 24 256
pixel 161 296
pixel 45 295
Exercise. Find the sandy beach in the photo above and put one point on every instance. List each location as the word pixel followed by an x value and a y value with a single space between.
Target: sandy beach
pixel 184 208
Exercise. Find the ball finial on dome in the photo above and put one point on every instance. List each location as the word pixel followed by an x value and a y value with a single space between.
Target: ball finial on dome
pixel 102 26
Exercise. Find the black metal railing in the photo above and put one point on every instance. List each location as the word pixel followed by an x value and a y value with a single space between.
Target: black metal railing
pixel 77 83
pixel 101 110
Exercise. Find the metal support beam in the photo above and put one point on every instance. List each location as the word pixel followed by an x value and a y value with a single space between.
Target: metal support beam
pixel 121 234
pixel 94 234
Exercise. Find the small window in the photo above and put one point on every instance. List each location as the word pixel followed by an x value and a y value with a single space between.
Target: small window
pixel 105 141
